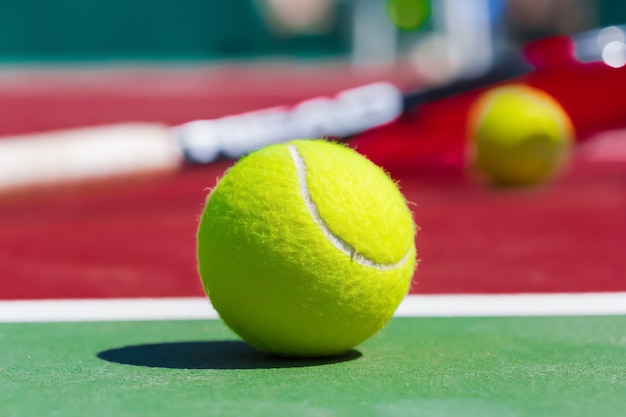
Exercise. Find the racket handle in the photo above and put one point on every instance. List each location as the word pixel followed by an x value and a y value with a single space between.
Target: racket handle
pixel 86 155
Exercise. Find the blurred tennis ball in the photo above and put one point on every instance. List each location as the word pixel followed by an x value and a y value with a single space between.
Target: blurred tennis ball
pixel 408 14
pixel 521 136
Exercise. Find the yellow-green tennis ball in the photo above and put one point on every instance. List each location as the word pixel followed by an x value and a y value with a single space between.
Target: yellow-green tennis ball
pixel 408 14
pixel 522 136
pixel 306 248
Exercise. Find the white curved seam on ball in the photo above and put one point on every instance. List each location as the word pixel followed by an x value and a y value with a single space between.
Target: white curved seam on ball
pixel 336 241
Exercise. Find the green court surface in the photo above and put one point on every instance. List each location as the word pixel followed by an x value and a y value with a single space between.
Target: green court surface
pixel 500 366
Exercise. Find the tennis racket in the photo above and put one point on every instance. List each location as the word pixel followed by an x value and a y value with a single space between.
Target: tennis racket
pixel 96 154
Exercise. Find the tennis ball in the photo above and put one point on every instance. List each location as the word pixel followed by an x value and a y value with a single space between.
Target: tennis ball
pixel 408 14
pixel 521 136
pixel 306 248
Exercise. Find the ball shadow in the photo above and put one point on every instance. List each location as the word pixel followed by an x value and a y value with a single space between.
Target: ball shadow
pixel 221 354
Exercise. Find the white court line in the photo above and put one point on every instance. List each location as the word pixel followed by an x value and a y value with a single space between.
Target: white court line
pixel 199 308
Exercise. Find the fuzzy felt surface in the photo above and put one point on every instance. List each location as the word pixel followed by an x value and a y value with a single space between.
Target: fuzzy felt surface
pixel 275 277
pixel 358 201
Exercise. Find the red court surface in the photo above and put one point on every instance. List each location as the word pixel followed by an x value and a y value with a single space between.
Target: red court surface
pixel 138 240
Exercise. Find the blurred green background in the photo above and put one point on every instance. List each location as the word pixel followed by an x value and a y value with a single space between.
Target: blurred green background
pixel 77 30
pixel 157 29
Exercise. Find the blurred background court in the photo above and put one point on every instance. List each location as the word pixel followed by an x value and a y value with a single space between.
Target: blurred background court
pixel 70 64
